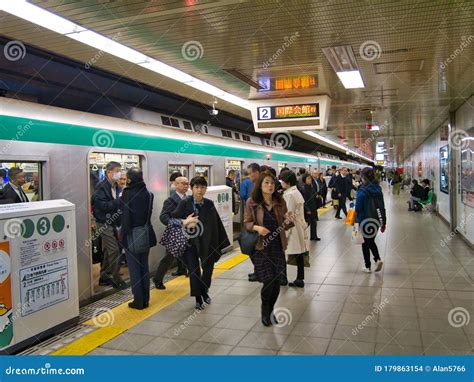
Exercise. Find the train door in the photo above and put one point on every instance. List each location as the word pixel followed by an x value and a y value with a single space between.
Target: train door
pixel 97 174
pixel 32 176
pixel 204 171
pixel 236 165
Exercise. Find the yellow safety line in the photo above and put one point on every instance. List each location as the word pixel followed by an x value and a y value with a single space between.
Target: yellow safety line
pixel 115 321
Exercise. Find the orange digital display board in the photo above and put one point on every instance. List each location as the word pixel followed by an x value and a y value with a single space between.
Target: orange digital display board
pixel 299 82
pixel 296 111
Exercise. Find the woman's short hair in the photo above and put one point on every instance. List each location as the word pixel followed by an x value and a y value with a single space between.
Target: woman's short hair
pixel 198 181
pixel 306 176
pixel 257 195
pixel 290 178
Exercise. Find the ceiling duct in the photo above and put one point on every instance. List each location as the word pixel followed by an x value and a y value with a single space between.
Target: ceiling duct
pixel 244 78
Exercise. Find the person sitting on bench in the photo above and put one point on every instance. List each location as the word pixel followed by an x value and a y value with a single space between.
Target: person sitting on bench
pixel 417 192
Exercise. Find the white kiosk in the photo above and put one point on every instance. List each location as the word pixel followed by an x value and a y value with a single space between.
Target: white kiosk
pixel 222 198
pixel 38 272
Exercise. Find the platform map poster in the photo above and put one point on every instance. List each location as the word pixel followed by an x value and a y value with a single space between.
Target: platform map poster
pixel 6 322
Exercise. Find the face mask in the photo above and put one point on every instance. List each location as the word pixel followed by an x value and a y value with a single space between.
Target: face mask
pixel 116 176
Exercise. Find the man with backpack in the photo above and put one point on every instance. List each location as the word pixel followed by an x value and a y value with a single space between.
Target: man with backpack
pixel 371 216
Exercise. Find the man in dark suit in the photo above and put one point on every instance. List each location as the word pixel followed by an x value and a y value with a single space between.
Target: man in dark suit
pixel 107 213
pixel 13 192
pixel 181 184
pixel 343 186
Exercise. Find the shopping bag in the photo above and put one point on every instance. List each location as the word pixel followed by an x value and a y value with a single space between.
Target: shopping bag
pixel 351 216
pixel 357 237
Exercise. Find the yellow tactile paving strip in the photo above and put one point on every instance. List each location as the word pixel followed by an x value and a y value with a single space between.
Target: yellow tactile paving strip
pixel 113 322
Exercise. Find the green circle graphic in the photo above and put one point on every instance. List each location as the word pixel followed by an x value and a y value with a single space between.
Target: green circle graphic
pixel 58 223
pixel 43 225
pixel 219 198
pixel 27 228
pixel 226 197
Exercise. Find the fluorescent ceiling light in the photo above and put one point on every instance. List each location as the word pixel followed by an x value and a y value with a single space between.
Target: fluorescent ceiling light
pixel 39 16
pixel 344 63
pixel 332 143
pixel 351 80
pixel 108 45
pixel 375 128
pixel 51 21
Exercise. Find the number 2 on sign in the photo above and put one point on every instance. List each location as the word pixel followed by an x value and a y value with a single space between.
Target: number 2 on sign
pixel 264 113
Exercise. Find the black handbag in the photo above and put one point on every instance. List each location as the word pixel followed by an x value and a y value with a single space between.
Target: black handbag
pixel 139 240
pixel 247 240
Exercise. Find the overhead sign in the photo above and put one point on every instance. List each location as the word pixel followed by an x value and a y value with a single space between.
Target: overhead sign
pixel 306 81
pixel 299 113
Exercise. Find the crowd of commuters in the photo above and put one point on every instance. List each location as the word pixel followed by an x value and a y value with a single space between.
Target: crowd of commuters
pixel 281 210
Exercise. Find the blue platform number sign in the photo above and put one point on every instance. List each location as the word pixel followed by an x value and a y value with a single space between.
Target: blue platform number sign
pixel 264 113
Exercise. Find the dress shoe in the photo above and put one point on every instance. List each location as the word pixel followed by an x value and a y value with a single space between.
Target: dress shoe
pixel 253 277
pixel 199 303
pixel 134 305
pixel 159 285
pixel 297 283
pixel 283 282
pixel 207 299
pixel 337 217
pixel 118 284
pixel 105 281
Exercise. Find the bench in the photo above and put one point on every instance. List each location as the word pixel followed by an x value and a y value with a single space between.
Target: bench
pixel 427 204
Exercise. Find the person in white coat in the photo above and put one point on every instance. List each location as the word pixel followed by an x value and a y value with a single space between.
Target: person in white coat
pixel 298 236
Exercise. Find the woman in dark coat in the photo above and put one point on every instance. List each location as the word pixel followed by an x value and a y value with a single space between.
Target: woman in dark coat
pixel 266 213
pixel 137 206
pixel 207 238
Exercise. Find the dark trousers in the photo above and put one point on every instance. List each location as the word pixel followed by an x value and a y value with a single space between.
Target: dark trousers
pixel 165 264
pixel 341 206
pixel 367 246
pixel 313 224
pixel 269 293
pixel 139 276
pixel 200 282
pixel 300 266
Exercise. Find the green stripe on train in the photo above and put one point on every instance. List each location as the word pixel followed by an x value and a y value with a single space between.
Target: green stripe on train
pixel 34 130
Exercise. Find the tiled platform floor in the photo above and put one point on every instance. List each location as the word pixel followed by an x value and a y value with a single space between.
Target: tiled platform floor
pixel 419 304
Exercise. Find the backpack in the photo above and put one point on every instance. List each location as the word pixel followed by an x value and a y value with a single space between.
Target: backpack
pixel 375 209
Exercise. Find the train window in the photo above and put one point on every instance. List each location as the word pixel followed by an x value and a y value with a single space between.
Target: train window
pixel 187 125
pixel 204 171
pixel 246 138
pixel 237 135
pixel 180 168
pixel 32 179
pixel 227 133
pixel 165 120
pixel 174 122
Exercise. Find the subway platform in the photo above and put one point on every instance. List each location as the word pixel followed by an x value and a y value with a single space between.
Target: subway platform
pixel 420 303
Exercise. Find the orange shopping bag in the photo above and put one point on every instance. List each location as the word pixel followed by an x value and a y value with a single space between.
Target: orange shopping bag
pixel 351 215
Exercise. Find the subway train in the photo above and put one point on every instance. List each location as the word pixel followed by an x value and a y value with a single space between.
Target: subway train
pixel 63 152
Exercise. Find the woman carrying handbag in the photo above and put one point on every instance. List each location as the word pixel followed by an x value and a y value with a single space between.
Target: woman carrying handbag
pixel 266 214
pixel 137 235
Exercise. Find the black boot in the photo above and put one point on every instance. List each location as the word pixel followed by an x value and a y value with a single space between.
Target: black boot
pixel 266 314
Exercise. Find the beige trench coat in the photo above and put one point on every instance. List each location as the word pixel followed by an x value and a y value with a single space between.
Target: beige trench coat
pixel 298 236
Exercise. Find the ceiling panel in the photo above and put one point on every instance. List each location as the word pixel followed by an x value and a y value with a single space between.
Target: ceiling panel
pixel 402 48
